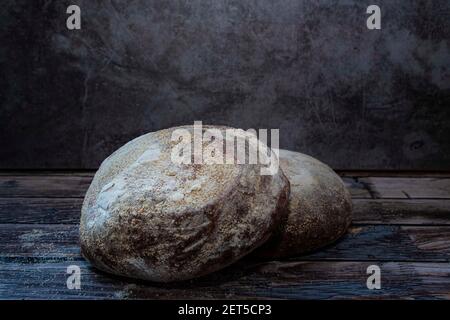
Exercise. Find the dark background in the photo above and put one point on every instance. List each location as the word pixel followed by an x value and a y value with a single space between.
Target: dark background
pixel 352 97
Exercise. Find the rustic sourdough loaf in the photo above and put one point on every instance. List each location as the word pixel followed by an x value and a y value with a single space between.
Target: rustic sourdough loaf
pixel 319 210
pixel 146 217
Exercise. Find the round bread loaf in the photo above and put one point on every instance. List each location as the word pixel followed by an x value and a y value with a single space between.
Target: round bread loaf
pixel 319 210
pixel 145 216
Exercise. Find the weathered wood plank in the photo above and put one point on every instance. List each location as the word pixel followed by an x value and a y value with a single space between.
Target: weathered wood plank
pixel 393 173
pixel 295 280
pixel 401 211
pixel 357 190
pixel 430 239
pixel 366 211
pixel 48 172
pixel 382 242
pixel 70 185
pixel 415 188
pixel 389 243
pixel 342 173
pixel 39 240
pixel 44 186
pixel 75 186
pixel 40 210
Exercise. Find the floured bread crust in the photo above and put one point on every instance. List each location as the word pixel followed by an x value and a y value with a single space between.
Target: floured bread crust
pixel 319 211
pixel 146 217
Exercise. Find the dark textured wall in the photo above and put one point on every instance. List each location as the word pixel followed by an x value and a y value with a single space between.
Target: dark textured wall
pixel 354 98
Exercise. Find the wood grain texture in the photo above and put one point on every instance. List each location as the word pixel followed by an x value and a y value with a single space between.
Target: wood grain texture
pixel 40 210
pixel 365 211
pixel 401 211
pixel 389 243
pixel 408 188
pixel 393 173
pixel 75 186
pixel 39 241
pixel 357 189
pixel 408 238
pixel 288 280
pixel 384 243
pixel 38 186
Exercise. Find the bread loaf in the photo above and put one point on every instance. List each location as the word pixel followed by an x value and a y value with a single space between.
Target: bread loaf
pixel 319 210
pixel 146 217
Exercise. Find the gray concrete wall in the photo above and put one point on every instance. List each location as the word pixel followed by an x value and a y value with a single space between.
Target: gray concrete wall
pixel 352 97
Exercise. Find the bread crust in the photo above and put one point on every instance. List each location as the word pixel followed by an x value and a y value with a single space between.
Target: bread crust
pixel 319 210
pixel 146 217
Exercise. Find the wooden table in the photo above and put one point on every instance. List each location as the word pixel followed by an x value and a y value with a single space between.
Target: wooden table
pixel 401 223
